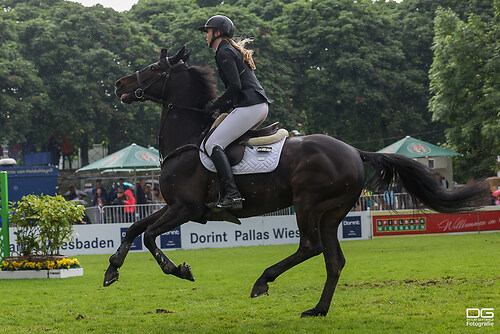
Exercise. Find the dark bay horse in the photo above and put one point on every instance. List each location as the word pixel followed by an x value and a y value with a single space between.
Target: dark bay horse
pixel 320 176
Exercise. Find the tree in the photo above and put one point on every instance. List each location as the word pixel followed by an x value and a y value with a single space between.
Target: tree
pixel 465 84
pixel 350 84
pixel 79 53
pixel 177 22
pixel 21 89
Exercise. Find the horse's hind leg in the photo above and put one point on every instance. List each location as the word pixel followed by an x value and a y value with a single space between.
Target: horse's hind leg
pixel 116 260
pixel 334 260
pixel 309 246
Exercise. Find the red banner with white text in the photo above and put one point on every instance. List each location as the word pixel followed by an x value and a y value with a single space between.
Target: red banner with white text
pixel 396 223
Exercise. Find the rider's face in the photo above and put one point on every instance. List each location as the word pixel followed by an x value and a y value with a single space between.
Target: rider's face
pixel 208 35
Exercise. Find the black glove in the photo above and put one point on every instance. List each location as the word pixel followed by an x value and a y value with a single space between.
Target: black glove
pixel 210 106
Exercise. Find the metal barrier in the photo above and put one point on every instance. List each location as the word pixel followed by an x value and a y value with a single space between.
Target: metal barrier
pixel 130 214
pixel 120 213
pixel 283 212
pixel 386 201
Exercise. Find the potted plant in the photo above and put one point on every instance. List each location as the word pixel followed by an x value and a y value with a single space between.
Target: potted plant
pixel 43 224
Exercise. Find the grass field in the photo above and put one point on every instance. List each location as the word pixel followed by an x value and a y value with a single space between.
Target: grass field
pixel 400 284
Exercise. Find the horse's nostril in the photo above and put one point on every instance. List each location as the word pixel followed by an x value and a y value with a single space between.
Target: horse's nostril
pixel 118 83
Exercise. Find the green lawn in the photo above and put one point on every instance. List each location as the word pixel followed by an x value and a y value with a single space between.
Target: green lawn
pixel 421 284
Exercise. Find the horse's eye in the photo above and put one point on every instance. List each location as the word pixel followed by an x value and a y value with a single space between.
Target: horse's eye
pixel 152 68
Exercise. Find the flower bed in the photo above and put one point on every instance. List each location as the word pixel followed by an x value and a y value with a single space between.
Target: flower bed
pixel 39 267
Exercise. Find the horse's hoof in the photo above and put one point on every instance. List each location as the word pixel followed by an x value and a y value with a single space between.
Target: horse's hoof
pixel 185 272
pixel 259 290
pixel 110 277
pixel 314 312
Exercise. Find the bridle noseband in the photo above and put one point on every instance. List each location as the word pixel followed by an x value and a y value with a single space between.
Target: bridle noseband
pixel 140 92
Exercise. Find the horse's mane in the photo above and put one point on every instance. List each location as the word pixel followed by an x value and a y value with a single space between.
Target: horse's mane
pixel 205 80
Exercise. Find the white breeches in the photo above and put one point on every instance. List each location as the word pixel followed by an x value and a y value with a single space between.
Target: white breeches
pixel 239 121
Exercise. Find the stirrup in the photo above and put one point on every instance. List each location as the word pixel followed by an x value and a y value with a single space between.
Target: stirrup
pixel 227 203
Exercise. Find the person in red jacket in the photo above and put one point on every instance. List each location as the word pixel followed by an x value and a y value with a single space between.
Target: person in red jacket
pixel 129 206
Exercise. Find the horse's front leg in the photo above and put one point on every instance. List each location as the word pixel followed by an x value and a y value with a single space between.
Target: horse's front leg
pixel 116 260
pixel 177 215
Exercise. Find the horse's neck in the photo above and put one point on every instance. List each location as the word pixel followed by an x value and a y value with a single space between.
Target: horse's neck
pixel 180 128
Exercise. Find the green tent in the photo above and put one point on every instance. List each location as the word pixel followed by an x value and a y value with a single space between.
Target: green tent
pixel 414 148
pixel 131 158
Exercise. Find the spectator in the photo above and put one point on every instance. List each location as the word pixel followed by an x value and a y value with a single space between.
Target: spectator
pixel 98 200
pixel 157 195
pixel 129 206
pixel 496 197
pixel 444 182
pixel 121 182
pixel 112 193
pixel 103 196
pixel 53 148
pixel 389 199
pixel 149 194
pixel 67 150
pixel 119 212
pixel 141 198
pixel 71 194
pixel 365 200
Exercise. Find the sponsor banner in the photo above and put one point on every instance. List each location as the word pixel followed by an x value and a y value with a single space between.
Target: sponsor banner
pixel 351 227
pixel 261 231
pixel 255 231
pixel 394 223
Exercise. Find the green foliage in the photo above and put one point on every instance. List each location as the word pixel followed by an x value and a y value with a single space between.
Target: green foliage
pixel 356 70
pixel 44 223
pixel 465 83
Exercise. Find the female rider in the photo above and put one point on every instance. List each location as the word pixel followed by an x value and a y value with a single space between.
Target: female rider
pixel 243 92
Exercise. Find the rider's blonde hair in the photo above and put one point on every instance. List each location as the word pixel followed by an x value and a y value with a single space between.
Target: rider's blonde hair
pixel 240 46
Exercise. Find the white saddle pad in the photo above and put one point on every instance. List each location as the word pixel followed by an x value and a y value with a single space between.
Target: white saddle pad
pixel 258 159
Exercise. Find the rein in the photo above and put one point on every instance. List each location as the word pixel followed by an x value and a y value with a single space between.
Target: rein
pixel 141 94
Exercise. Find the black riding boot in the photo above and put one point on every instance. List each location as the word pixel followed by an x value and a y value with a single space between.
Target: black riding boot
pixel 231 196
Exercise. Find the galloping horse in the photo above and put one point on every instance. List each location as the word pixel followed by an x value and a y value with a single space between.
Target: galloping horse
pixel 320 176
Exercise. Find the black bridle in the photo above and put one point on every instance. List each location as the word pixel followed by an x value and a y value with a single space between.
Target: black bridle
pixel 140 93
pixel 168 69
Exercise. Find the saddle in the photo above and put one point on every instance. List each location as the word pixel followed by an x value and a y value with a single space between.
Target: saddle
pixel 263 136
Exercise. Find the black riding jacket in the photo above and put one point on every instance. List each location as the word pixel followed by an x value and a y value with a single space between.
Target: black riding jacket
pixel 242 87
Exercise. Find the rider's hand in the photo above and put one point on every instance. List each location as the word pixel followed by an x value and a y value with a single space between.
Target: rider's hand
pixel 210 106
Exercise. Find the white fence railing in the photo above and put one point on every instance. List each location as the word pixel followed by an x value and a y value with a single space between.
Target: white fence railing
pixel 121 213
pixel 130 214
pixel 386 201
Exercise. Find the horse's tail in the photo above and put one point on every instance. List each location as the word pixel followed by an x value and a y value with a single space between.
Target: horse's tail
pixel 421 184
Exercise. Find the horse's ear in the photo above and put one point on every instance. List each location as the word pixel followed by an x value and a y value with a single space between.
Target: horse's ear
pixel 186 56
pixel 178 56
pixel 163 54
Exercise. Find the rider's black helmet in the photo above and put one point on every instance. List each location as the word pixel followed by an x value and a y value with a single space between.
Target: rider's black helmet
pixel 220 22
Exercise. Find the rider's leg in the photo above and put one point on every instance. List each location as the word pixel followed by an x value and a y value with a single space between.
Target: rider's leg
pixel 232 197
pixel 234 125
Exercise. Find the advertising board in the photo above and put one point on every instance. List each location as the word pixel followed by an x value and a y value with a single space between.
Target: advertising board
pixel 415 222
pixel 255 231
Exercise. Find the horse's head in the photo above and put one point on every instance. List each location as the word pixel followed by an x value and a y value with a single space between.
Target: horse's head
pixel 150 83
